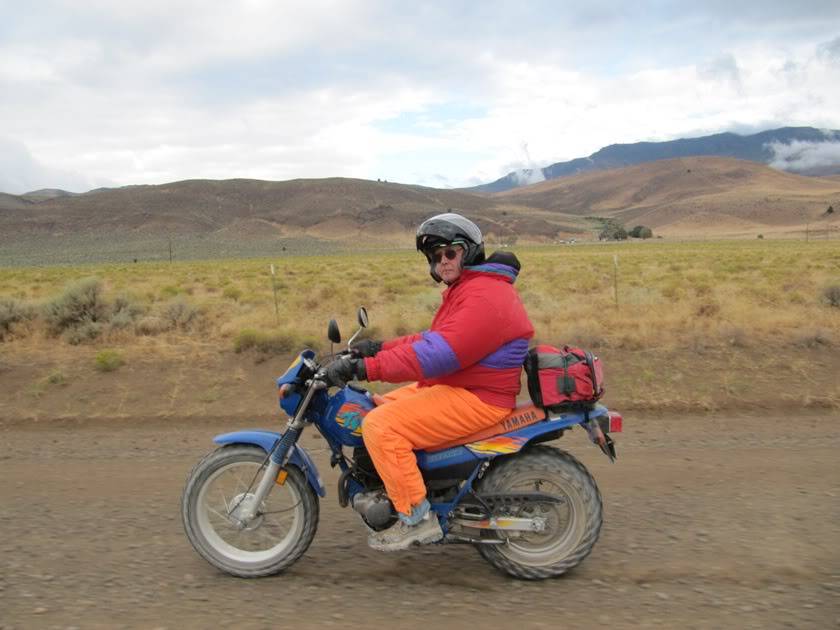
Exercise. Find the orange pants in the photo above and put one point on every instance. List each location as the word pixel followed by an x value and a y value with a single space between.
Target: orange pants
pixel 415 417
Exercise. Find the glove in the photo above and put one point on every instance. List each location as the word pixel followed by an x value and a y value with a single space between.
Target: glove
pixel 346 369
pixel 366 348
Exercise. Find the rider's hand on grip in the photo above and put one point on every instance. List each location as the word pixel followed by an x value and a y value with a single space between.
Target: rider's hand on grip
pixel 343 370
pixel 366 348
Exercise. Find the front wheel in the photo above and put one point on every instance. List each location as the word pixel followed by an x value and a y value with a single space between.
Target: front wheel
pixel 217 491
pixel 572 525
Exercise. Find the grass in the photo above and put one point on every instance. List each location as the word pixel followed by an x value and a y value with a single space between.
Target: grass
pixel 669 295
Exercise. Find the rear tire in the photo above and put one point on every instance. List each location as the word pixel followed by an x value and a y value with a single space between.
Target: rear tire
pixel 572 527
pixel 272 541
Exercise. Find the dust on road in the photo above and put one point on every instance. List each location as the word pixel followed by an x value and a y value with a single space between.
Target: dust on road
pixel 709 522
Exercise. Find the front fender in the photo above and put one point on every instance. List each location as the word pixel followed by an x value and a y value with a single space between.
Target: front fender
pixel 266 440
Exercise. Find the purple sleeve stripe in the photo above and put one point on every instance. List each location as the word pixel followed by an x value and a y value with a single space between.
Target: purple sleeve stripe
pixel 510 355
pixel 435 355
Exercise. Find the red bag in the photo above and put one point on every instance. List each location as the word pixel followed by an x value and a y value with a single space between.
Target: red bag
pixel 564 378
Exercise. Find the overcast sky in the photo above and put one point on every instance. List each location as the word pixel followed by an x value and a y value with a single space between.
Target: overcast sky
pixel 444 94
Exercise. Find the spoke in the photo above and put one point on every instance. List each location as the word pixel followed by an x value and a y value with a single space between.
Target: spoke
pixel 241 483
pixel 224 517
pixel 266 536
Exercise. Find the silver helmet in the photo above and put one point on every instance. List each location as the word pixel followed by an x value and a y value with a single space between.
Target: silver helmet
pixel 447 229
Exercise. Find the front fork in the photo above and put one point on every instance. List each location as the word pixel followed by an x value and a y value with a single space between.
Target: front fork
pixel 280 453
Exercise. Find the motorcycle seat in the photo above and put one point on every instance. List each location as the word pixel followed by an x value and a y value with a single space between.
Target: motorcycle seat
pixel 520 417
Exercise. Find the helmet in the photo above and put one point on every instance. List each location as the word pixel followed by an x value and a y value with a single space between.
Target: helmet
pixel 447 229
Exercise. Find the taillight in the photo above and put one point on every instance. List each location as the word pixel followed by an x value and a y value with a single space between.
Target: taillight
pixel 616 422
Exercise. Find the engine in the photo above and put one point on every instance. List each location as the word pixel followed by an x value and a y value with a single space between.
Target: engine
pixel 375 508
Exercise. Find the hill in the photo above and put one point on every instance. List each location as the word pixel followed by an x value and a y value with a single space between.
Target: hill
pixel 756 148
pixel 689 197
pixel 46 193
pixel 684 198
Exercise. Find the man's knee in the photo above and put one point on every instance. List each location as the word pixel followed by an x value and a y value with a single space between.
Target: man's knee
pixel 373 426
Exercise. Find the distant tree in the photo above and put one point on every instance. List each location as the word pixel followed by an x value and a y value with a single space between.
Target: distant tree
pixel 830 210
pixel 760 236
pixel 641 231
pixel 613 232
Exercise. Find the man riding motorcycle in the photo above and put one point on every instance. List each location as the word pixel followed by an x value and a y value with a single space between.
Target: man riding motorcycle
pixel 466 369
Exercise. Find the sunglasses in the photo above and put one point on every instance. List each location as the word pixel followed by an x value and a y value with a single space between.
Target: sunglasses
pixel 450 253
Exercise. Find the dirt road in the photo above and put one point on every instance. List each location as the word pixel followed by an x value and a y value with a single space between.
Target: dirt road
pixel 709 523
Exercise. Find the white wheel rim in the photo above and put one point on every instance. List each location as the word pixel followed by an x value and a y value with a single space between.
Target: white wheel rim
pixel 268 537
pixel 564 523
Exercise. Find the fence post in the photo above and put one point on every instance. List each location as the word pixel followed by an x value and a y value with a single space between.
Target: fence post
pixel 274 289
pixel 615 279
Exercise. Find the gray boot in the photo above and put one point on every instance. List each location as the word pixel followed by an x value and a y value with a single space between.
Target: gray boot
pixel 421 527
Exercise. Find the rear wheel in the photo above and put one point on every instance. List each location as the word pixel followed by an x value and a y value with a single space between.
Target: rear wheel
pixel 572 526
pixel 219 489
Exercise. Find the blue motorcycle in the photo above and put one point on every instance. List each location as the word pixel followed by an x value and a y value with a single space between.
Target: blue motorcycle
pixel 250 508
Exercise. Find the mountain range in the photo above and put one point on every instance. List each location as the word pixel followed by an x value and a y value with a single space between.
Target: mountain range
pixel 764 147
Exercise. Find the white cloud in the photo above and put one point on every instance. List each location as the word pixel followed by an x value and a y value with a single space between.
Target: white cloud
pixel 804 156
pixel 20 172
pixel 137 93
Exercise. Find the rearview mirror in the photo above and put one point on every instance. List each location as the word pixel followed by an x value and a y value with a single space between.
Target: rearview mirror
pixel 363 317
pixel 332 332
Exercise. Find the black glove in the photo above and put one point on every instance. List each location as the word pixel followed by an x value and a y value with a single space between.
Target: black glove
pixel 345 369
pixel 366 348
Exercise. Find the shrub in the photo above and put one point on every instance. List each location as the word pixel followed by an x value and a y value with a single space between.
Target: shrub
pixel 813 338
pixel 57 378
pixel 108 360
pixel 81 303
pixel 125 312
pixel 179 313
pixel 831 296
pixel 641 231
pixel 267 343
pixel 87 331
pixel 12 312
pixel 707 309
pixel 151 326
pixel 232 293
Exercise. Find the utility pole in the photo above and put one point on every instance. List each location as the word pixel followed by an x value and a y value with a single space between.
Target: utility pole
pixel 170 250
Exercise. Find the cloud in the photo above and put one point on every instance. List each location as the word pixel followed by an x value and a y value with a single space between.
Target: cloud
pixel 805 156
pixel 723 68
pixel 20 172
pixel 131 92
pixel 830 51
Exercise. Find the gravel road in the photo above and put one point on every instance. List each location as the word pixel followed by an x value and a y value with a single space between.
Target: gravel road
pixel 710 522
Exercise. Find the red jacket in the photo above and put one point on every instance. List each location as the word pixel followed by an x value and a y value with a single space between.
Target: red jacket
pixel 478 340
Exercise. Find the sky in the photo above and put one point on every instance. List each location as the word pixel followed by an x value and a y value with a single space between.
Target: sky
pixel 444 94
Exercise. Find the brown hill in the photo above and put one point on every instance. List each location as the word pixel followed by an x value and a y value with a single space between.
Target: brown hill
pixel 334 208
pixel 681 197
pixel 688 197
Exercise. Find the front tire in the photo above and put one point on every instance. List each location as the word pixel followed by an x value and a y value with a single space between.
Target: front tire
pixel 572 527
pixel 219 485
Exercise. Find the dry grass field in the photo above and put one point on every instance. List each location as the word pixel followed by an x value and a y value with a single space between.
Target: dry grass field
pixel 679 325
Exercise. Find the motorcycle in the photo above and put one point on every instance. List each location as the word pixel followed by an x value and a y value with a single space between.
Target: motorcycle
pixel 250 507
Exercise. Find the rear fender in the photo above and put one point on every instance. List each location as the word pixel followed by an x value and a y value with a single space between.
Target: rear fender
pixel 266 440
